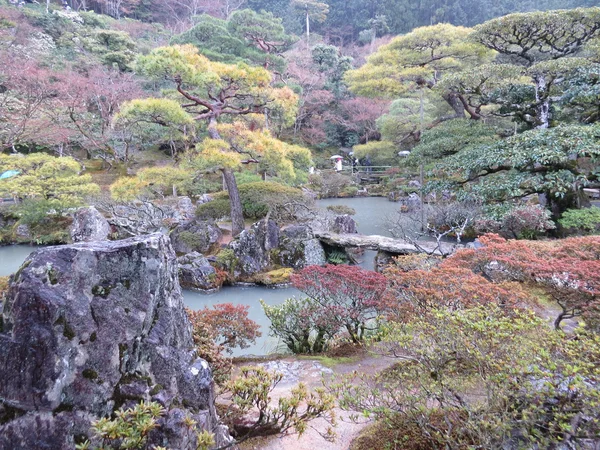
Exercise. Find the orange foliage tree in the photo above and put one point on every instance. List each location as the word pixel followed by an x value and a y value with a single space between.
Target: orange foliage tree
pixel 414 293
pixel 568 270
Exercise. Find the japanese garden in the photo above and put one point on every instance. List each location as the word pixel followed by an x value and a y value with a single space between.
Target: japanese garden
pixel 300 224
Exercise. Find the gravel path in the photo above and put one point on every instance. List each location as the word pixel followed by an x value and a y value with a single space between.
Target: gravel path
pixel 311 372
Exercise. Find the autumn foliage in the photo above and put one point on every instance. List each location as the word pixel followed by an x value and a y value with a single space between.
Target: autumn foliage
pixel 349 296
pixel 568 269
pixel 220 329
pixel 417 292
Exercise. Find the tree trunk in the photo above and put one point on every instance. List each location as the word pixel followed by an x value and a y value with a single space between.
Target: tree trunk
pixel 454 101
pixel 237 217
pixel 542 102
pixel 307 29
pixel 212 128
pixel 373 39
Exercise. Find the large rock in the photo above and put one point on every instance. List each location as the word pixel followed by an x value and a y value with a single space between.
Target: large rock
pixel 196 236
pixel 89 225
pixel 386 244
pixel 299 248
pixel 344 224
pixel 23 233
pixel 252 249
pixel 88 327
pixel 139 217
pixel 196 273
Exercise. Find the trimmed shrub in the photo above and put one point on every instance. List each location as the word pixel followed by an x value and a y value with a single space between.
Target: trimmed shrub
pixel 216 209
pixel 342 209
pixel 585 220
pixel 257 198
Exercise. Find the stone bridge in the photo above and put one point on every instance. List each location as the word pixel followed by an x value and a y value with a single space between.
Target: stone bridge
pixel 385 244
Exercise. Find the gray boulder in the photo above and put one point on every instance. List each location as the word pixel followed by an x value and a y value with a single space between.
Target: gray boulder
pixel 299 248
pixel 142 217
pixel 86 328
pixel 23 233
pixel 412 202
pixel 204 198
pixel 89 225
pixel 344 224
pixel 252 249
pixel 196 273
pixel 196 236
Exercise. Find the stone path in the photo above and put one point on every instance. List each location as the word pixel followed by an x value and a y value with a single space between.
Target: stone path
pixel 311 373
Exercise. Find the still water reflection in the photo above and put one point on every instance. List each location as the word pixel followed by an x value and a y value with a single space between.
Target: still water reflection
pixel 370 216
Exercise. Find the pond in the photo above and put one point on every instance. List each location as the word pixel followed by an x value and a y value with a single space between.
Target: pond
pixel 371 213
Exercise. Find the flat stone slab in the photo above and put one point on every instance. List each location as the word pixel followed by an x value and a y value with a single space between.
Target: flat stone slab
pixel 384 243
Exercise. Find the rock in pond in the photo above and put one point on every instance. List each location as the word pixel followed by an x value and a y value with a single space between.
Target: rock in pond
pixel 344 224
pixel 196 236
pixel 88 327
pixel 298 248
pixel 252 249
pixel 196 273
pixel 89 225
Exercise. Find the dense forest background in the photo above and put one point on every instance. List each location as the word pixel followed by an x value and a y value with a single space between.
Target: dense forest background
pixel 259 89
pixel 346 18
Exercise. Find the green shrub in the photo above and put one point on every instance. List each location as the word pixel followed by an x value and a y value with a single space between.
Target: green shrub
pixel 257 198
pixel 93 20
pixel 585 220
pixel 246 177
pixel 227 259
pixel 342 209
pixel 216 209
pixel 130 429
pixel 349 191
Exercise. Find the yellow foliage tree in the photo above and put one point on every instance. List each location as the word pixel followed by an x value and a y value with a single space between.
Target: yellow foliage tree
pixel 210 90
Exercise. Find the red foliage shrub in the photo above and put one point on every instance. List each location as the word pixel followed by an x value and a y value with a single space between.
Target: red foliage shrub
pixel 567 269
pixel 229 324
pixel 350 296
pixel 417 292
pixel 220 329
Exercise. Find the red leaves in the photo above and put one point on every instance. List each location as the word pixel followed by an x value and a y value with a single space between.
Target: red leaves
pixel 228 323
pixel 568 269
pixel 349 296
pixel 342 285
pixel 417 292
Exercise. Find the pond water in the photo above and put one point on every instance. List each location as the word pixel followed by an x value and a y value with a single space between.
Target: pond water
pixel 371 213
pixel 12 256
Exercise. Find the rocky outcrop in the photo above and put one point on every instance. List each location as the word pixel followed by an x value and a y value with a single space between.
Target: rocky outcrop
pixel 89 327
pixel 141 217
pixel 252 249
pixel 385 244
pixel 89 225
pixel 23 233
pixel 344 224
pixel 299 248
pixel 196 273
pixel 196 236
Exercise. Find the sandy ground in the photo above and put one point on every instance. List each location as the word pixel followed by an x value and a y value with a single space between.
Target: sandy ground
pixel 312 373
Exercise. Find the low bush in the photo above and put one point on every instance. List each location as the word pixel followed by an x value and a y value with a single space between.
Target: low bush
pixel 585 220
pixel 258 198
pixel 342 209
pixel 521 222
pixel 131 428
pixel 220 329
pixel 332 185
pixel 216 209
